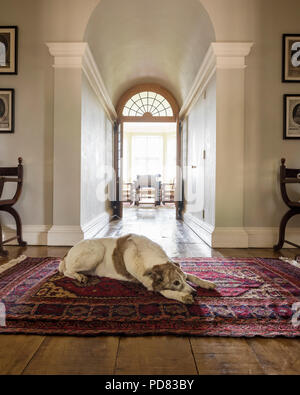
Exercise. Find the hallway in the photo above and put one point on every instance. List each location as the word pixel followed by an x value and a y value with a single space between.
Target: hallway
pixel 149 354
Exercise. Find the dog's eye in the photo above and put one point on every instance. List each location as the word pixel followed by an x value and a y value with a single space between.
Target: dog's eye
pixel 176 283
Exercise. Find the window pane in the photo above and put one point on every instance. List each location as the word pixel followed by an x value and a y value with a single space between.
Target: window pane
pixel 148 102
pixel 147 155
pixel 171 159
pixel 125 112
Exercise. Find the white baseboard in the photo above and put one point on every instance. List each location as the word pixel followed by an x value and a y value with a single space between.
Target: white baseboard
pixel 268 237
pixel 32 234
pixel 92 228
pixel 202 229
pixel 65 235
pixel 229 238
pixel 55 235
pixel 239 237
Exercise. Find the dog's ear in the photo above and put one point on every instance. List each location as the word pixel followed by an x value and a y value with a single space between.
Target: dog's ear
pixel 155 273
pixel 175 263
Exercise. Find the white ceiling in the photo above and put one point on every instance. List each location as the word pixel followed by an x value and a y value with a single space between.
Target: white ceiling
pixel 143 41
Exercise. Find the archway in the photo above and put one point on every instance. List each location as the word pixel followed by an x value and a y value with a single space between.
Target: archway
pixel 156 106
pixel 162 43
pixel 153 45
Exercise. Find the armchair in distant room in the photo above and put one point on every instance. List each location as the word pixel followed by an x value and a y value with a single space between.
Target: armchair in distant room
pixel 148 189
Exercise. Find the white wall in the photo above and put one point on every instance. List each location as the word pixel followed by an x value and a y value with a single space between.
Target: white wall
pixel 39 21
pixel 258 195
pixel 264 145
pixel 96 155
pixel 200 182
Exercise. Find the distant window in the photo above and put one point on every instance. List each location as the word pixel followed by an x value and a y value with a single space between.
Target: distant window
pixel 2 55
pixel 147 155
pixel 147 103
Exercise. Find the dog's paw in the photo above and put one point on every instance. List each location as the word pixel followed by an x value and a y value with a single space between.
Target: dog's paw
pixel 209 285
pixel 82 279
pixel 188 299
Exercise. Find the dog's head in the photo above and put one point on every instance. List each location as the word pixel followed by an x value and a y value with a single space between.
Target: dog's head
pixel 169 276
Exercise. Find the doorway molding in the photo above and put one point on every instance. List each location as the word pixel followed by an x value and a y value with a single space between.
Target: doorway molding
pixel 78 55
pixel 146 117
pixel 72 61
pixel 227 62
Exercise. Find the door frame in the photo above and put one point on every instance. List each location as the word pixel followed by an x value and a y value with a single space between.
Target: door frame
pixel 147 117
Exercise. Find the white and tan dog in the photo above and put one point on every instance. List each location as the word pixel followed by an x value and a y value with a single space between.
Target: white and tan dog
pixel 131 258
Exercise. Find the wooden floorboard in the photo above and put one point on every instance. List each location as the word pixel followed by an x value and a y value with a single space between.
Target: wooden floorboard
pixel 225 356
pixel 277 356
pixel 16 351
pixel 149 354
pixel 74 355
pixel 155 355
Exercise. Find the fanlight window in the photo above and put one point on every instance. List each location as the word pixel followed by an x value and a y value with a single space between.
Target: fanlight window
pixel 147 103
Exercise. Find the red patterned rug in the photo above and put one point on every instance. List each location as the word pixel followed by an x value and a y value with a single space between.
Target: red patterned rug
pixel 255 297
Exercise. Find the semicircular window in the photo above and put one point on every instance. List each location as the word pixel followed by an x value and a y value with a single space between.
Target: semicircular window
pixel 147 103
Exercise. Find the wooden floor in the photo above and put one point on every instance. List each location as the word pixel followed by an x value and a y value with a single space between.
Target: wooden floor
pixel 20 354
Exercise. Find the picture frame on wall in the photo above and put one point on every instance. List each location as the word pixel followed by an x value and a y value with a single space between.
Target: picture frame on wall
pixel 291 58
pixel 7 111
pixel 8 50
pixel 291 111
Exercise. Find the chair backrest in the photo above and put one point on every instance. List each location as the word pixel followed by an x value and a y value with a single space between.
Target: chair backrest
pixel 12 171
pixel 147 181
pixel 17 174
pixel 288 172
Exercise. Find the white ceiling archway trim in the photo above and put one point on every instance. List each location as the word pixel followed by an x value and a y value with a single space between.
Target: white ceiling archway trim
pixel 79 55
pixel 227 55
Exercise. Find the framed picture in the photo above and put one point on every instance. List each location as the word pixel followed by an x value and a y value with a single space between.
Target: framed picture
pixel 291 58
pixel 291 111
pixel 7 102
pixel 8 49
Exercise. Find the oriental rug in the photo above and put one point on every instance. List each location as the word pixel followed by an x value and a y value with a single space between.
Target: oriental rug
pixel 254 297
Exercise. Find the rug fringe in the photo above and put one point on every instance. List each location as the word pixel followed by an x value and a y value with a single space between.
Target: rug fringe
pixel 290 261
pixel 12 263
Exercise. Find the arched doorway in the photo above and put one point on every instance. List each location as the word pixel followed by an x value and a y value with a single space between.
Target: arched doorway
pixel 151 104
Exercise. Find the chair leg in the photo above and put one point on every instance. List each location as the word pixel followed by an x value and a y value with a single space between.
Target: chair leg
pixel 17 218
pixel 3 252
pixel 282 227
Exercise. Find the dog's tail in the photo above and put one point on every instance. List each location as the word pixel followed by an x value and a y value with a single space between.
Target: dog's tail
pixel 62 266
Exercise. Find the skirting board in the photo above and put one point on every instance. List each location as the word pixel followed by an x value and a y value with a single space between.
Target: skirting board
pixel 202 229
pixel 32 234
pixel 217 237
pixel 251 237
pixel 70 235
pixel 54 235
pixel 91 229
pixel 64 235
pixel 268 237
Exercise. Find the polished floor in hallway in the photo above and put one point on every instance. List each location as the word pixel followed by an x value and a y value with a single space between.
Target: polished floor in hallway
pixel 22 354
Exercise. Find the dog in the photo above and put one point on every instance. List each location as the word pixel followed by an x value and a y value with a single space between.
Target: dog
pixel 131 258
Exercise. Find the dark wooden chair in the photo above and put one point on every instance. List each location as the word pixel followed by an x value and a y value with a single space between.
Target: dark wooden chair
pixel 11 174
pixel 287 176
